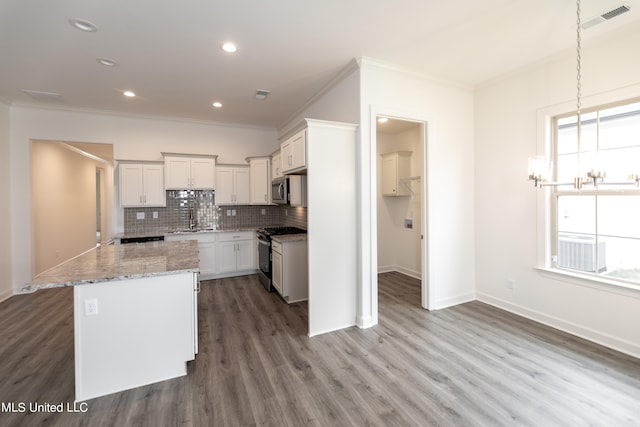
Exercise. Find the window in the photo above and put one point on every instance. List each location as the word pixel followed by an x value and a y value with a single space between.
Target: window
pixel 596 230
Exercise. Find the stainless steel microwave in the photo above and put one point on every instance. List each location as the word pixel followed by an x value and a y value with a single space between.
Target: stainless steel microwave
pixel 280 191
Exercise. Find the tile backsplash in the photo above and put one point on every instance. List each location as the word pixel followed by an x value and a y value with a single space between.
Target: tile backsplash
pixel 186 207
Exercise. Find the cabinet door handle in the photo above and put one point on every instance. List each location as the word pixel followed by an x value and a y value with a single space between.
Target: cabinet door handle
pixel 141 198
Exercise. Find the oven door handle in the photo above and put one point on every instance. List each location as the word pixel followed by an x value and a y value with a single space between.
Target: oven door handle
pixel 263 242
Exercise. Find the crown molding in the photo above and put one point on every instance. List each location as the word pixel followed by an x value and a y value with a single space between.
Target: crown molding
pixel 365 62
pixel 352 66
pixel 111 113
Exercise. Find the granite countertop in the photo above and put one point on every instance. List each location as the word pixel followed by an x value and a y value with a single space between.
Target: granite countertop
pixel 284 238
pixel 181 232
pixel 119 262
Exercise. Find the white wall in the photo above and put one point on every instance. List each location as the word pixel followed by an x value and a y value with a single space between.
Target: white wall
pixel 338 102
pixel 399 249
pixel 6 288
pixel 63 197
pixel 448 111
pixel 332 204
pixel 132 138
pixel 506 203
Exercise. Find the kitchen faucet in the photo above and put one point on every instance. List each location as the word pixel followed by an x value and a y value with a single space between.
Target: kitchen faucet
pixel 192 220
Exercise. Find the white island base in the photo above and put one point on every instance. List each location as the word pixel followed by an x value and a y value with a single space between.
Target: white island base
pixel 133 332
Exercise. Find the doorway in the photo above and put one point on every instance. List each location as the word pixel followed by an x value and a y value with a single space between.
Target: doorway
pixel 70 199
pixel 400 146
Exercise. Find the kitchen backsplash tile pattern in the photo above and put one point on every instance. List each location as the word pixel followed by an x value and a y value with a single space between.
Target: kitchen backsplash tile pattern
pixel 292 216
pixel 195 209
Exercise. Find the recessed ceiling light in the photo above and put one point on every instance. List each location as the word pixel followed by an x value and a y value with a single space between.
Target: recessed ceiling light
pixel 217 104
pixel 128 94
pixel 83 25
pixel 382 120
pixel 107 62
pixel 229 47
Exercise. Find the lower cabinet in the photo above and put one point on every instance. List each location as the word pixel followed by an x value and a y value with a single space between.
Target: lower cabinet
pixel 236 252
pixel 289 274
pixel 223 254
pixel 206 251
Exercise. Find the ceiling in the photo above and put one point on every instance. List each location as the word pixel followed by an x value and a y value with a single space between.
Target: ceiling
pixel 395 126
pixel 168 52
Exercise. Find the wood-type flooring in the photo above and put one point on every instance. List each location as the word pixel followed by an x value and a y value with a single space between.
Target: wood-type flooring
pixel 469 365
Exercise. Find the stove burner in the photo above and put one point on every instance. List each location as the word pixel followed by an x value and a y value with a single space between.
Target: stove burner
pixel 273 231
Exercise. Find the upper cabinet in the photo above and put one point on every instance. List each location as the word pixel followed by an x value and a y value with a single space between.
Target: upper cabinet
pixel 294 153
pixel 298 190
pixel 191 172
pixel 233 185
pixel 260 175
pixel 141 184
pixel 276 166
pixel 396 168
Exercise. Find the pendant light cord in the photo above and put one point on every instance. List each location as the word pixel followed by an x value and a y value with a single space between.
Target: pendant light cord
pixel 578 77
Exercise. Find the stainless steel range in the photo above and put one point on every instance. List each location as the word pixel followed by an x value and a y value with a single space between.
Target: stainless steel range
pixel 264 251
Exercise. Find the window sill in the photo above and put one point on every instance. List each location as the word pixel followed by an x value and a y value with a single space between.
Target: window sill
pixel 594 282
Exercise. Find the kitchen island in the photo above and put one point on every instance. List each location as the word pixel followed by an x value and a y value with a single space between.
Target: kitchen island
pixel 135 313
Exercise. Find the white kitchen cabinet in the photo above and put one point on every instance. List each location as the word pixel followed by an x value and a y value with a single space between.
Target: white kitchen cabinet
pixel 294 153
pixel 396 166
pixel 142 184
pixel 276 166
pixel 206 251
pixel 289 267
pixel 260 175
pixel 236 252
pixel 233 185
pixel 276 266
pixel 189 172
pixel 298 190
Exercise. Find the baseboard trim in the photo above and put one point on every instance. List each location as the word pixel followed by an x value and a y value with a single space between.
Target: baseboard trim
pixel 202 277
pixel 338 328
pixel 6 294
pixel 615 343
pixel 364 322
pixel 450 302
pixel 400 269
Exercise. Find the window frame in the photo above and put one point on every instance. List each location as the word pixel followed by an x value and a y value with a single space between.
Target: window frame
pixel 547 197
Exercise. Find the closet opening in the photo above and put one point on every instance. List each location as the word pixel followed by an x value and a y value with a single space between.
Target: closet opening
pixel 401 214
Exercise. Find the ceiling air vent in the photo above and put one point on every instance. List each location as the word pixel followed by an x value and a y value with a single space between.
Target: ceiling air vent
pixel 615 12
pixel 262 94
pixel 43 96
pixel 606 16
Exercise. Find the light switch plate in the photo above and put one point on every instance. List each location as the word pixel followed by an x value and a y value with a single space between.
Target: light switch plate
pixel 139 215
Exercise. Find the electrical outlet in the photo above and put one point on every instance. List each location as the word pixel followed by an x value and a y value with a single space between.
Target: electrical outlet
pixel 233 212
pixel 228 212
pixel 155 215
pixel 139 215
pixel 90 307
pixel 510 284
pixel 263 211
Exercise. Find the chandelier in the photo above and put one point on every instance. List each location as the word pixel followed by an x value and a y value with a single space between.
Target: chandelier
pixel 540 168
